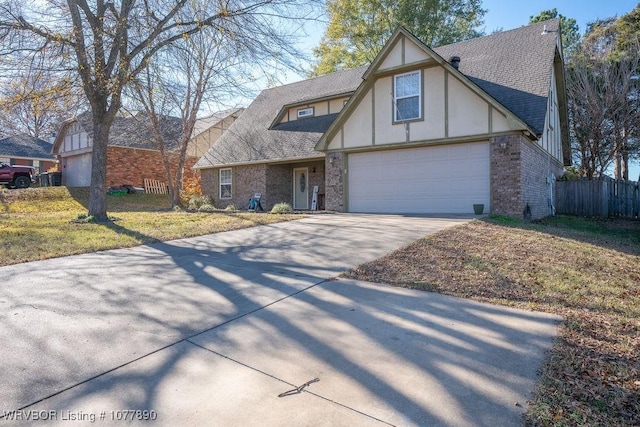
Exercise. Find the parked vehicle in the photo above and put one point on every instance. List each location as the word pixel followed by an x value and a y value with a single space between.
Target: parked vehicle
pixel 16 176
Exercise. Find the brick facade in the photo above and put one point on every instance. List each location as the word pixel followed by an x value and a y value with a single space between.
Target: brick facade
pixel 520 171
pixel 275 182
pixel 132 166
pixel 334 166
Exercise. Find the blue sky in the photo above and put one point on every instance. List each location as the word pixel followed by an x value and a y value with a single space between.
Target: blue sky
pixel 512 14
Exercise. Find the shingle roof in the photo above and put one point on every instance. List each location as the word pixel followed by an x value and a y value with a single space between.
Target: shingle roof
pixel 25 146
pixel 251 137
pixel 514 67
pixel 132 131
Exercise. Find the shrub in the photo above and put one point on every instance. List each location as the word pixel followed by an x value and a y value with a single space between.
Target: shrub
pixel 191 187
pixel 231 208
pixel 207 207
pixel 196 202
pixel 281 208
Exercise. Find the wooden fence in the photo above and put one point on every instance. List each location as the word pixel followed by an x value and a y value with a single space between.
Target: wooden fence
pixel 602 197
pixel 152 186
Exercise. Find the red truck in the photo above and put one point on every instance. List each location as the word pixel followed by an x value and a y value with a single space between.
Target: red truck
pixel 16 176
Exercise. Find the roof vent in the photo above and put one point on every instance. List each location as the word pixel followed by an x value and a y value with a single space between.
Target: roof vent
pixel 455 61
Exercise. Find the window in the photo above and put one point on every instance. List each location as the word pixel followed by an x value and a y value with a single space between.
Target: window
pixel 225 183
pixel 305 112
pixel 406 97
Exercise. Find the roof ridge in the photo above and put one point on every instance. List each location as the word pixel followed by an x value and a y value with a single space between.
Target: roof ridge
pixel 499 33
pixel 324 76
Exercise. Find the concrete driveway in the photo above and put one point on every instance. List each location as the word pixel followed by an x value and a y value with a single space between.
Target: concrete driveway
pixel 211 330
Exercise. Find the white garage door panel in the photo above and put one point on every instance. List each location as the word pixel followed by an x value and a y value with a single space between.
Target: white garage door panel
pixel 76 171
pixel 444 179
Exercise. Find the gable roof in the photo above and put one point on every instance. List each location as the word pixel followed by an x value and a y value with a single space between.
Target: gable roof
pixel 511 70
pixel 129 131
pixel 254 138
pixel 514 67
pixel 25 146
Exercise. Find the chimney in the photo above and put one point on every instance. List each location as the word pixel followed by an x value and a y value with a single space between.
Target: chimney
pixel 455 61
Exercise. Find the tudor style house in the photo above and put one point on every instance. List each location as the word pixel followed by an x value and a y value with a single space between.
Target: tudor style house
pixel 420 130
pixel 132 154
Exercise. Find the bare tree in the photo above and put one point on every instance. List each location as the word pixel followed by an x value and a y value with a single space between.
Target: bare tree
pixel 204 67
pixel 36 102
pixel 603 105
pixel 111 42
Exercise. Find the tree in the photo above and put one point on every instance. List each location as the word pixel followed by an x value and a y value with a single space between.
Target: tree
pixel 111 42
pixel 358 29
pixel 196 69
pixel 35 102
pixel 568 27
pixel 616 41
pixel 603 105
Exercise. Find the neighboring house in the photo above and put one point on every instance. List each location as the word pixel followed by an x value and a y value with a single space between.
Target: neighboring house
pixel 424 130
pixel 132 154
pixel 208 129
pixel 27 150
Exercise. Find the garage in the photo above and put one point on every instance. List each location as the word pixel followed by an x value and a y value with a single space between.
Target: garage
pixel 76 170
pixel 441 179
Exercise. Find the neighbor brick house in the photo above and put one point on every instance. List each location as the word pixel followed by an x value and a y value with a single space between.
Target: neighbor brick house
pixel 28 151
pixel 420 130
pixel 132 154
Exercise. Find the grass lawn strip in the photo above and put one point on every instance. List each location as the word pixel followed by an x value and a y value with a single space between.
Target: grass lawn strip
pixel 586 271
pixel 37 223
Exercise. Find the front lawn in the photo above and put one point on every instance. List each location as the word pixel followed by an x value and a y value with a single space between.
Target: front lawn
pixel 37 223
pixel 587 271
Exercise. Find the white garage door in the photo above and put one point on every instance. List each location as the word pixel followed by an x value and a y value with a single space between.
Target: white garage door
pixel 443 179
pixel 76 170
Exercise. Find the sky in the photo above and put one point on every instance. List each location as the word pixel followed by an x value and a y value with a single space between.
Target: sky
pixel 509 14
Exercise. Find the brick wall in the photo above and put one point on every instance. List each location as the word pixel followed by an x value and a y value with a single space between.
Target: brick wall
pixel 245 182
pixel 132 166
pixel 537 165
pixel 334 190
pixel 519 173
pixel 275 182
pixel 279 186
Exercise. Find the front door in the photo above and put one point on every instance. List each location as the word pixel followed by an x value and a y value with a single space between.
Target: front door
pixel 301 188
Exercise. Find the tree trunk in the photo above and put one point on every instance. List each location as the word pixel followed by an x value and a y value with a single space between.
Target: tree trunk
pixel 97 193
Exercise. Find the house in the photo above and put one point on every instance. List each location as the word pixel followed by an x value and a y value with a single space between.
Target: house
pixel 420 130
pixel 209 129
pixel 27 150
pixel 132 154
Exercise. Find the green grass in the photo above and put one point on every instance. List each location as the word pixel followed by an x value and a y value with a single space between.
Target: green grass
pixel 40 223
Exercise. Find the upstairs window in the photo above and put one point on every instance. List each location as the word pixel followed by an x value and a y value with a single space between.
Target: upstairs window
pixel 406 97
pixel 305 112
pixel 225 183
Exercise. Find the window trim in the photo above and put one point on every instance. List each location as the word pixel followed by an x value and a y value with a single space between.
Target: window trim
pixel 396 98
pixel 230 183
pixel 302 112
